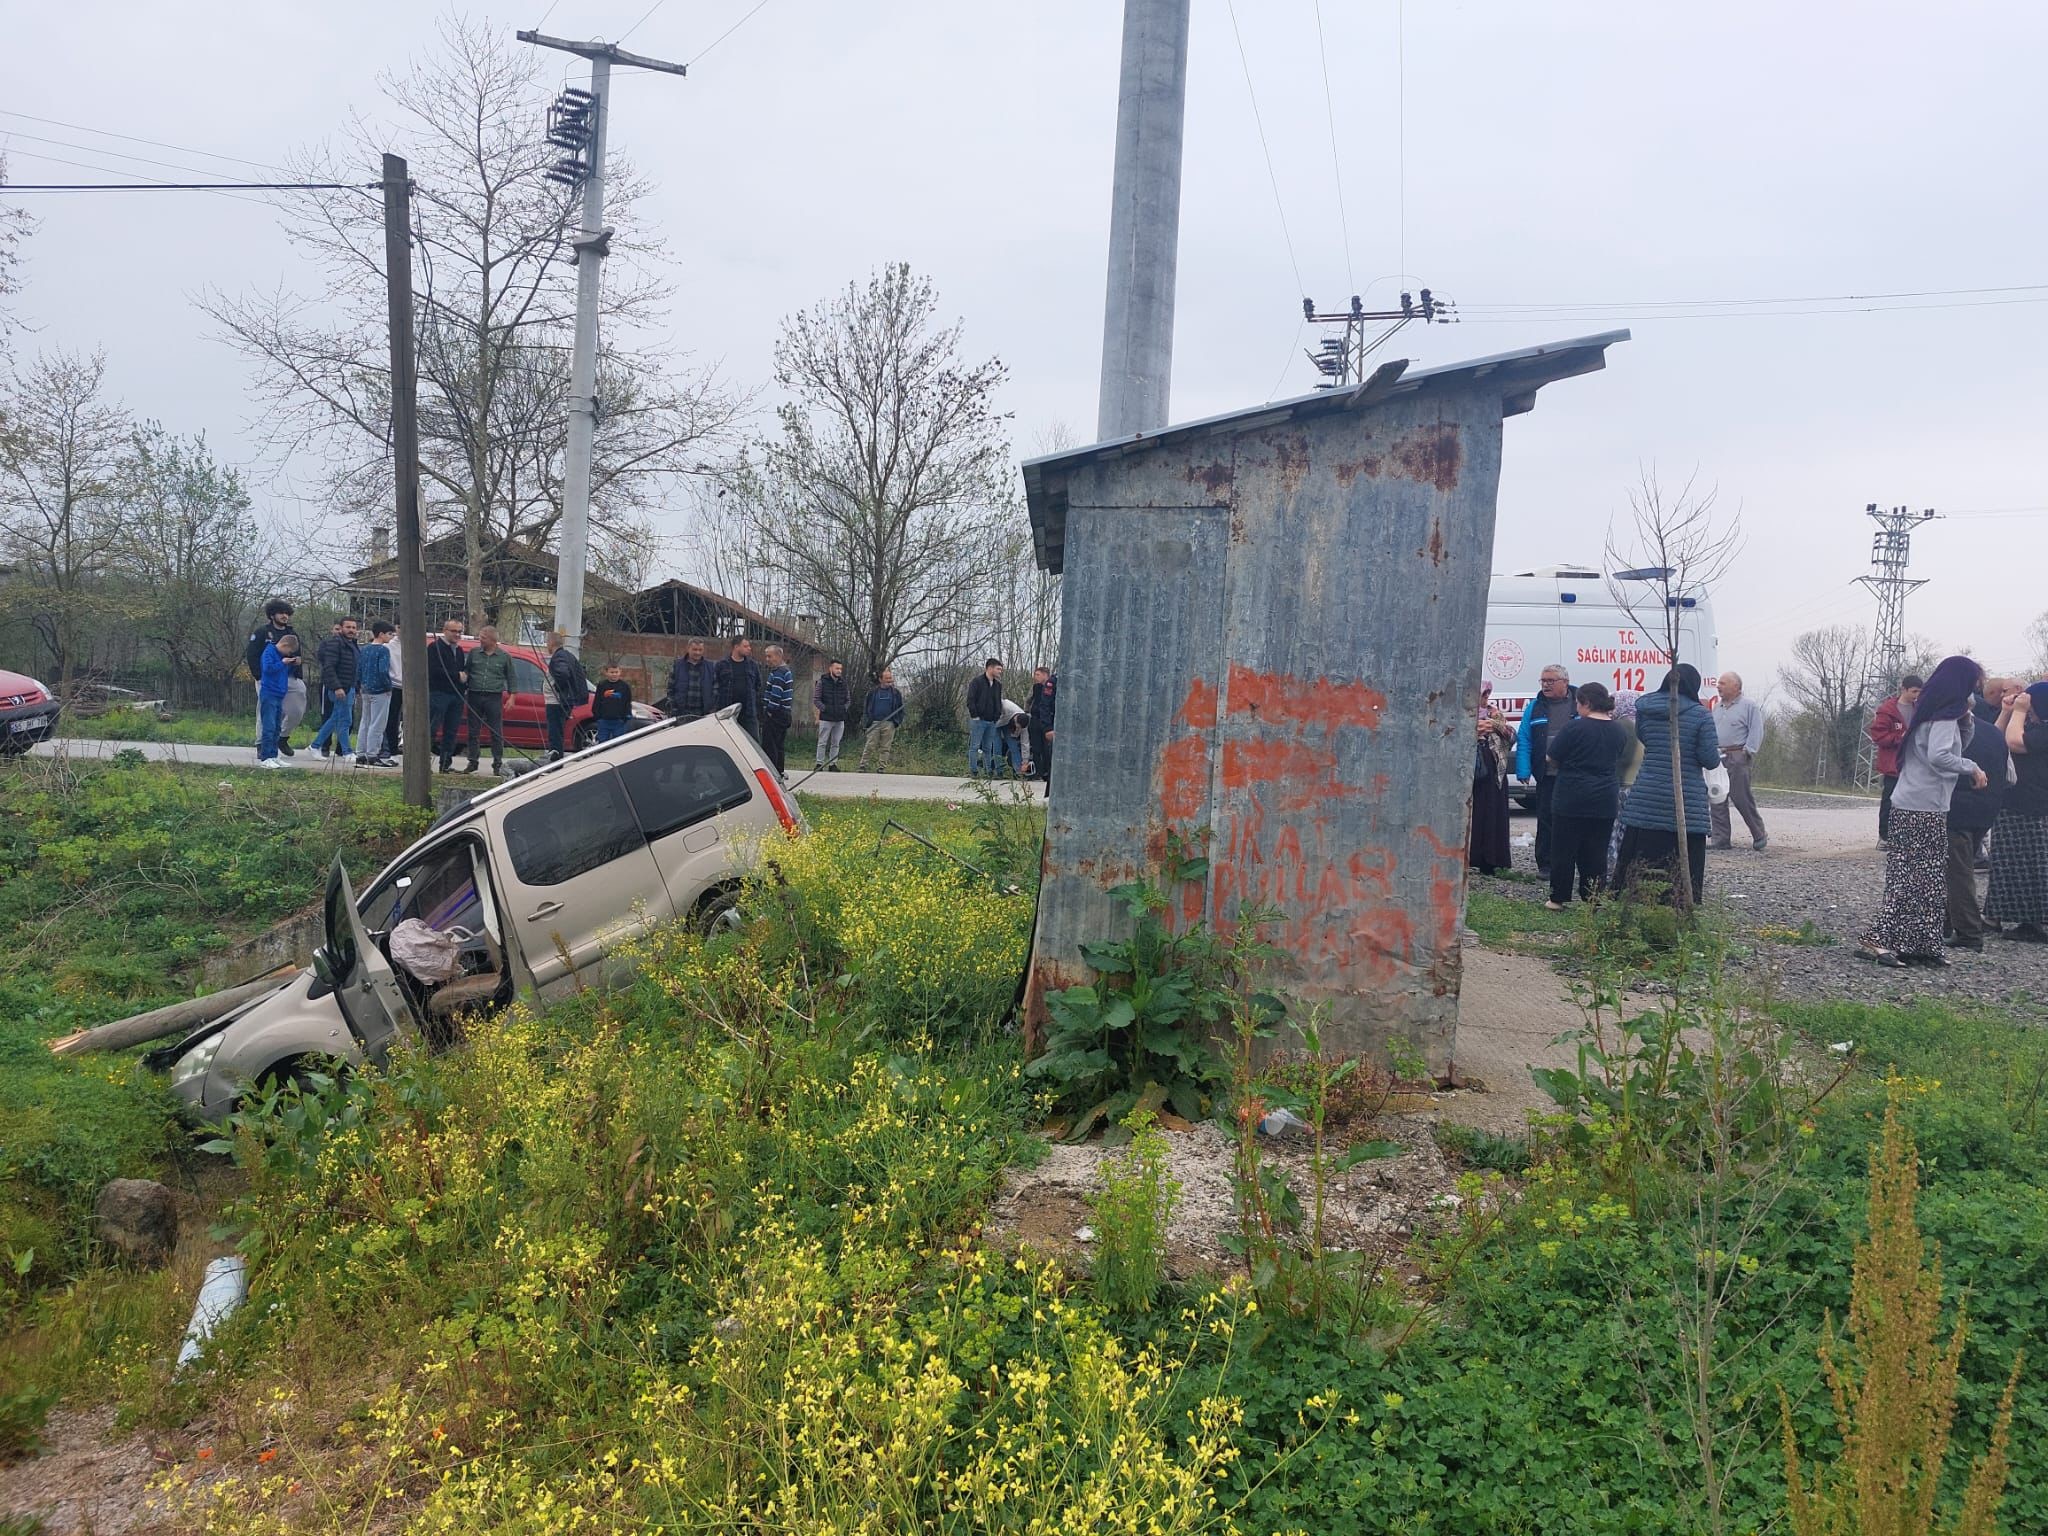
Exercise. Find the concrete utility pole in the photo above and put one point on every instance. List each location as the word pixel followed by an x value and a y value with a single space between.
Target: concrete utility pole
pixel 1144 219
pixel 1890 550
pixel 414 723
pixel 592 244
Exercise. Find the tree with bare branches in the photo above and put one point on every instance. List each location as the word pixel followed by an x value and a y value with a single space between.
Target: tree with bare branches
pixel 494 284
pixel 1828 678
pixel 65 457
pixel 1678 552
pixel 886 486
pixel 15 225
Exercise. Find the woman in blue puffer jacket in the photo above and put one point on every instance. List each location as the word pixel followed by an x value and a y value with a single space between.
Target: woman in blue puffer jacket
pixel 1649 834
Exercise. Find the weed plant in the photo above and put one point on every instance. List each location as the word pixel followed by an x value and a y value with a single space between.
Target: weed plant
pixel 1132 1211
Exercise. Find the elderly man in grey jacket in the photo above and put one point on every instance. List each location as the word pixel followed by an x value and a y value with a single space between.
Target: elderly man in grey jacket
pixel 1739 724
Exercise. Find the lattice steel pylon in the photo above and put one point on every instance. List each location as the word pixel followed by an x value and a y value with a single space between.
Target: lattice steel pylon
pixel 1891 547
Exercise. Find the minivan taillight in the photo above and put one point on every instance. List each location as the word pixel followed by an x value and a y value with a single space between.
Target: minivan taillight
pixel 777 800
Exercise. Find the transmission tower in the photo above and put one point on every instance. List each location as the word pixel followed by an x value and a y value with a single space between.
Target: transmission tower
pixel 1891 547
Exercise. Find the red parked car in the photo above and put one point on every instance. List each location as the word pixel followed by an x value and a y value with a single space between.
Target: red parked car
pixel 526 706
pixel 28 713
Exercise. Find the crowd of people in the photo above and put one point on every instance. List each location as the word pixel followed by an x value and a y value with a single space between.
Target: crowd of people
pixel 359 686
pixel 1963 757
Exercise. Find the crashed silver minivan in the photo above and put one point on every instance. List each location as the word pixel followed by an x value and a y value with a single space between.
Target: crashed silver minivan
pixel 530 888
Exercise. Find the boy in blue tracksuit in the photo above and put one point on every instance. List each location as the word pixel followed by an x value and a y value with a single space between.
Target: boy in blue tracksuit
pixel 277 669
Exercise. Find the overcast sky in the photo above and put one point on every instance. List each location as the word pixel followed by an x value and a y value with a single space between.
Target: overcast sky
pixel 1618 161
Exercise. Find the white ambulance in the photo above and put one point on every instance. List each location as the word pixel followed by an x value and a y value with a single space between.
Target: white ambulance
pixel 1568 614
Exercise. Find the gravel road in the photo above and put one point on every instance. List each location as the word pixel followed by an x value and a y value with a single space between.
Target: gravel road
pixel 1823 863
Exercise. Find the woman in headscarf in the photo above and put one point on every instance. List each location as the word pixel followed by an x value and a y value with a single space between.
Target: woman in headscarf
pixel 1650 833
pixel 2019 838
pixel 1908 926
pixel 1495 744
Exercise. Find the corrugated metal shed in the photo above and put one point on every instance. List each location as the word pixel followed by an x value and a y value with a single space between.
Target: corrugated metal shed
pixel 1271 630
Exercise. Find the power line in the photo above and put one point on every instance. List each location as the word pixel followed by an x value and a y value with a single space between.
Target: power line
pixel 1805 298
pixel 1271 175
pixel 10 135
pixel 728 32
pixel 223 188
pixel 658 4
pixel 190 186
pixel 108 133
pixel 1609 316
pixel 1336 167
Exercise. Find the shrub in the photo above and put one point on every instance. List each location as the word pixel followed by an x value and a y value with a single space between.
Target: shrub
pixel 1895 1403
pixel 1132 1211
pixel 909 940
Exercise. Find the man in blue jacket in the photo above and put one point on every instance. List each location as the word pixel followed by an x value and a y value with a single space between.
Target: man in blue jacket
pixel 692 691
pixel 882 713
pixel 1543 717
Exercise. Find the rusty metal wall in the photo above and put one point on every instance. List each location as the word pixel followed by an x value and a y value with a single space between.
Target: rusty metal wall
pixel 1272 630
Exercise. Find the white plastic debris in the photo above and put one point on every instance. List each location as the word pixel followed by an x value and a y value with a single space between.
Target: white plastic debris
pixel 1448 1202
pixel 223 1289
pixel 1843 1047
pixel 1282 1122
pixel 1084 1234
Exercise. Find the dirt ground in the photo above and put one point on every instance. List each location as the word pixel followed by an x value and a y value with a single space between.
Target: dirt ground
pixel 86 1481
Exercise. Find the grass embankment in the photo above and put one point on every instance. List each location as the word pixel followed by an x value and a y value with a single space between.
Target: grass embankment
pixel 116 880
pixel 194 727
pixel 704 1254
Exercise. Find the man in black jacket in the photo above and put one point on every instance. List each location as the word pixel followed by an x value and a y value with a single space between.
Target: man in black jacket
pixel 692 688
pixel 1038 710
pixel 832 700
pixel 985 721
pixel 277 622
pixel 337 660
pixel 739 682
pixel 447 680
pixel 572 687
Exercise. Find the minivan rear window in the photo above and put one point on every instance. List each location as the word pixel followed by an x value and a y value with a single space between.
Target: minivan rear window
pixel 682 785
pixel 578 828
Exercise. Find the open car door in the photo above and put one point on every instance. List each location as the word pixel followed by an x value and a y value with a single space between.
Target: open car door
pixel 364 984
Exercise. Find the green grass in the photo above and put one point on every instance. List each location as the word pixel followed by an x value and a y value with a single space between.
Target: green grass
pixel 192 727
pixel 116 880
pixel 1518 922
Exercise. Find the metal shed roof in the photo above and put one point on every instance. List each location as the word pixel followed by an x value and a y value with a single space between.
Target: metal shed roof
pixel 1518 374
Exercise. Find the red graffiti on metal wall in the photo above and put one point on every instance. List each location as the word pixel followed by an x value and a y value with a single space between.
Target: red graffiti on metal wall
pixel 1343 916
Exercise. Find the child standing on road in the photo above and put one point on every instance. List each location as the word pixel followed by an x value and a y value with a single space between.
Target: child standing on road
pixel 611 708
pixel 373 678
pixel 271 688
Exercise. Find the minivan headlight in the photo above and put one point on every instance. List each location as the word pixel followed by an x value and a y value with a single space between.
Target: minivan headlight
pixel 197 1062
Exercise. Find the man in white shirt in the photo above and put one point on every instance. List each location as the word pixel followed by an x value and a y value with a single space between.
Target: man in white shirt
pixel 1739 723
pixel 393 727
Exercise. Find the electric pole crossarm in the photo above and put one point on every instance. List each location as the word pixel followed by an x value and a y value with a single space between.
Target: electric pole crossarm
pixel 595 50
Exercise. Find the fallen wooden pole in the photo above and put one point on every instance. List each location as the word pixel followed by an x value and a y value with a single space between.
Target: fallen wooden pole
pixel 158 1022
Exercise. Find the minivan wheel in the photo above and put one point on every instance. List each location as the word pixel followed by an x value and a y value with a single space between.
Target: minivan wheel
pixel 719 913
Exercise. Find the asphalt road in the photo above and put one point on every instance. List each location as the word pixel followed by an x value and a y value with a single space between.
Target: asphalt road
pixel 837 786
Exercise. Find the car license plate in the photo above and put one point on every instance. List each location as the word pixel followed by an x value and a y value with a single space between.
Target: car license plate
pixel 25 725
